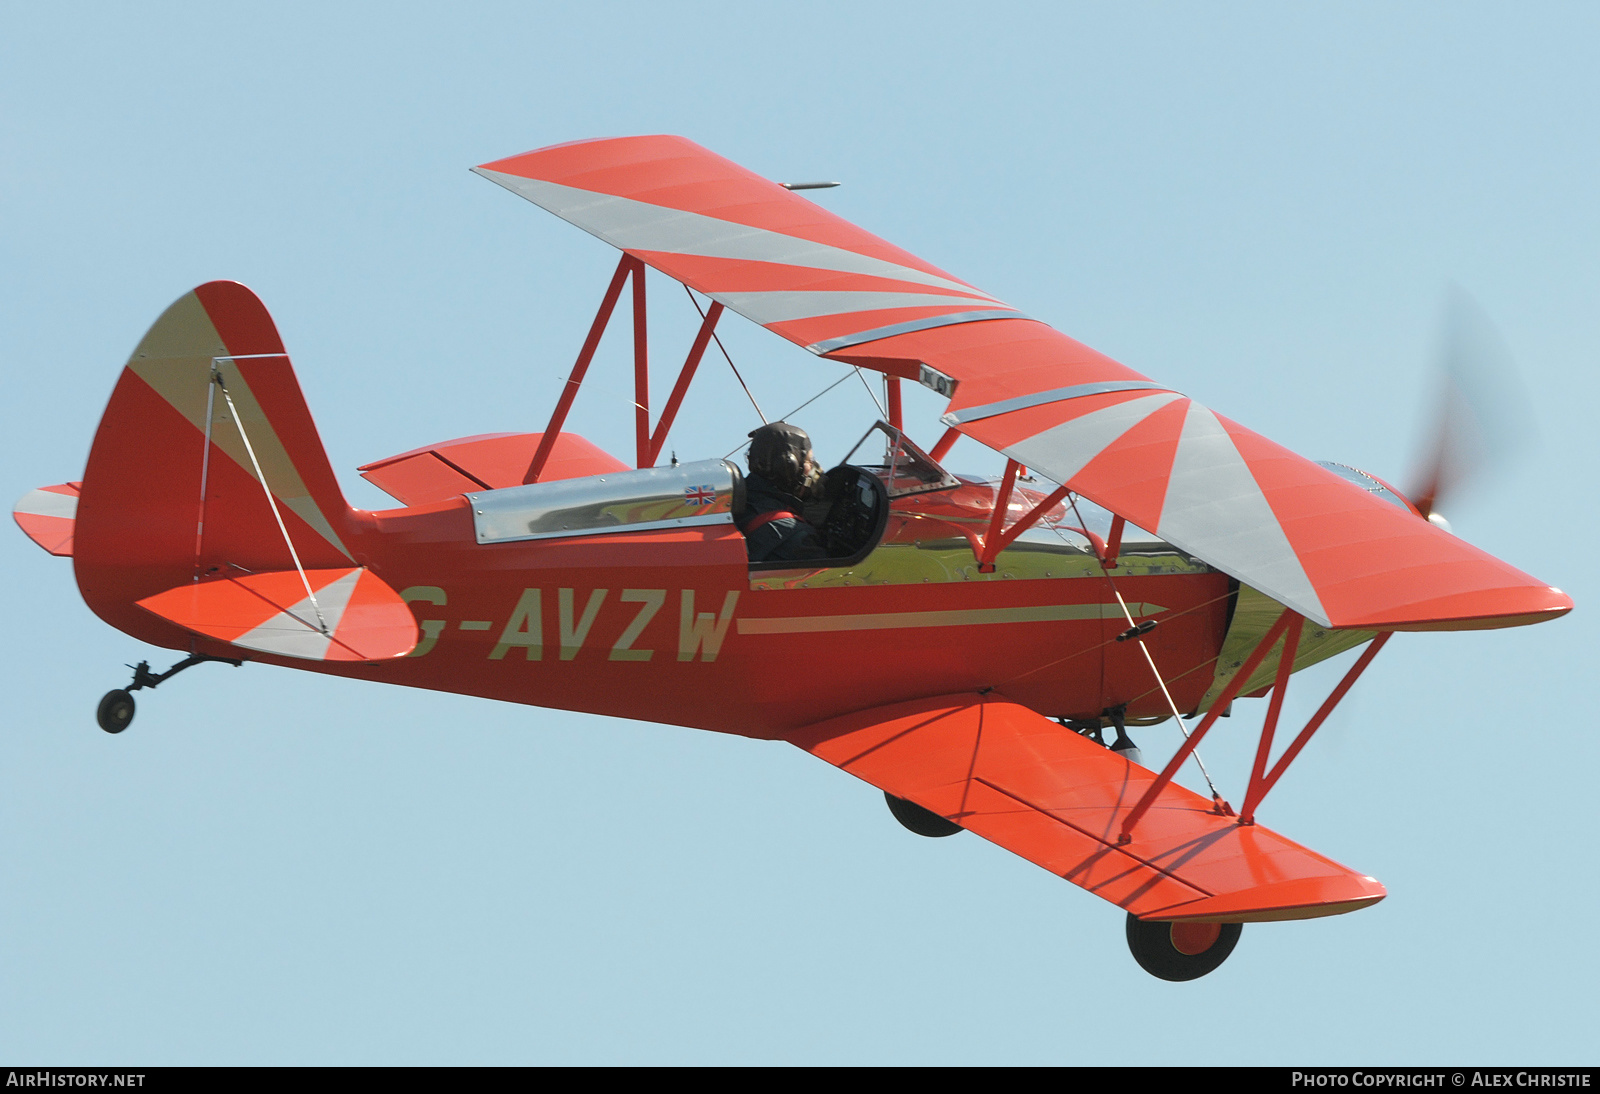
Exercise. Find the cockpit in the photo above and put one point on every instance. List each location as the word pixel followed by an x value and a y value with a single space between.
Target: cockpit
pixel 849 511
pixel 857 497
pixel 888 513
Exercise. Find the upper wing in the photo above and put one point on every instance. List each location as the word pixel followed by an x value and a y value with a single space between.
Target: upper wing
pixel 1055 798
pixel 763 251
pixel 1294 530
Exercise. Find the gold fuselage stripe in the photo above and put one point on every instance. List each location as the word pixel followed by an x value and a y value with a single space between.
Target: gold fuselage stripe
pixel 883 621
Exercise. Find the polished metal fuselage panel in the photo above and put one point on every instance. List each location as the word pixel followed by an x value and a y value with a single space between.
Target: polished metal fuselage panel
pixel 934 537
pixel 687 495
pixel 1034 554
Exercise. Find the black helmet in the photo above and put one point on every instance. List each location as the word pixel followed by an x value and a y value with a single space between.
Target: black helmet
pixel 778 454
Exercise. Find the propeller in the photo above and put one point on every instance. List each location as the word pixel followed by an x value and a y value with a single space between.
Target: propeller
pixel 1481 416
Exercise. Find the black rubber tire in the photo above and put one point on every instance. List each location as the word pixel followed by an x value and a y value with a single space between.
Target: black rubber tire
pixel 919 820
pixel 115 712
pixel 1152 947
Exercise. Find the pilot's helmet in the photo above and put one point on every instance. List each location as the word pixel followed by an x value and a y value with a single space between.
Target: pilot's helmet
pixel 778 454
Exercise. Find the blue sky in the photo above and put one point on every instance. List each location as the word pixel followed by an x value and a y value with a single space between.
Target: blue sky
pixel 1259 204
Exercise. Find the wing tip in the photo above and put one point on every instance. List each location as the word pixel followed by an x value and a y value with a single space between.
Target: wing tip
pixel 1302 898
pixel 503 163
pixel 1521 607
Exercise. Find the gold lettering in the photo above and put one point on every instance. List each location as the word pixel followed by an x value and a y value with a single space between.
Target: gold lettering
pixel 572 637
pixel 651 601
pixel 431 628
pixel 525 628
pixel 704 631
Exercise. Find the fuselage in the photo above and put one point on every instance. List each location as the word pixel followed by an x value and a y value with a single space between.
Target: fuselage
pixel 674 625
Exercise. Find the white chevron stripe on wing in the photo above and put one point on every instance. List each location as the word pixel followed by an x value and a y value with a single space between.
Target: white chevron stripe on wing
pixel 1215 510
pixel 781 306
pixel 632 225
pixel 1062 451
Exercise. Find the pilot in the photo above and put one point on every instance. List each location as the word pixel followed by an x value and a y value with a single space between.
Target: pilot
pixel 783 478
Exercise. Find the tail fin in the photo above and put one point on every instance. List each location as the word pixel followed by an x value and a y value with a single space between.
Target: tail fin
pixel 206 421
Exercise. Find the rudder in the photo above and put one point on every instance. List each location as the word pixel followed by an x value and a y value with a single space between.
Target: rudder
pixel 212 366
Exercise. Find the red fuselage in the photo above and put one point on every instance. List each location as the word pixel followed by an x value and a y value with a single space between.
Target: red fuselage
pixel 674 627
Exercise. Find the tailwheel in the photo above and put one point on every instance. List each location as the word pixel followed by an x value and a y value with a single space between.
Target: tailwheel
pixel 1181 951
pixel 115 711
pixel 922 821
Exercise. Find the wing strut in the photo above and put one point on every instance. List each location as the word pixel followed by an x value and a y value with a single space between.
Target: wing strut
pixel 708 326
pixel 997 540
pixel 1260 786
pixel 558 417
pixel 1288 628
pixel 999 537
pixel 648 443
pixel 1229 693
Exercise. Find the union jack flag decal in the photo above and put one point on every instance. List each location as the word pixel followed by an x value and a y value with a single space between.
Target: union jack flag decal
pixel 700 495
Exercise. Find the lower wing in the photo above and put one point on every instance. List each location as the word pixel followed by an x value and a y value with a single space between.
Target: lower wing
pixel 1041 791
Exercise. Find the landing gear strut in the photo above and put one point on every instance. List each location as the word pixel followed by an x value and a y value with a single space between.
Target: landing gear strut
pixel 1093 728
pixel 1181 951
pixel 1123 746
pixel 117 707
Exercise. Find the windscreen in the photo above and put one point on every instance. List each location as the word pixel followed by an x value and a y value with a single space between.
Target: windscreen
pixel 904 468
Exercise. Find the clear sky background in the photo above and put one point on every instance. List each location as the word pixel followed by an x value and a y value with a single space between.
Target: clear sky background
pixel 1260 204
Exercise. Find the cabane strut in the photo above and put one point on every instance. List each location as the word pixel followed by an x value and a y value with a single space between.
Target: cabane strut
pixel 648 443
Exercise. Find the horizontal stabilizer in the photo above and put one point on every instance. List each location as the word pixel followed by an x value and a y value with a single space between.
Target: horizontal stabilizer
pixel 491 461
pixel 353 615
pixel 1058 799
pixel 49 515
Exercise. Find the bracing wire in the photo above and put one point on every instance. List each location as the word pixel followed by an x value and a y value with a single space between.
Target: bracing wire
pixel 882 413
pixel 799 408
pixel 1149 660
pixel 205 475
pixel 715 337
pixel 272 502
pixel 815 397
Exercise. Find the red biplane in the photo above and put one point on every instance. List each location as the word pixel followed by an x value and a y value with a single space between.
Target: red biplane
pixel 1174 562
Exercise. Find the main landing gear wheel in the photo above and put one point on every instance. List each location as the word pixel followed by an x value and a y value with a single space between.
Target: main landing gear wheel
pixel 115 711
pixel 1181 951
pixel 919 820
